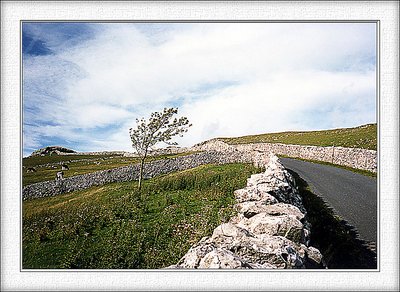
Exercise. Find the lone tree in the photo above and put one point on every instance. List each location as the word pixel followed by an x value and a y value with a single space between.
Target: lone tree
pixel 159 128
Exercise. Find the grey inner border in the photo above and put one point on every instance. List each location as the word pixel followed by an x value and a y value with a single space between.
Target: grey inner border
pixel 378 83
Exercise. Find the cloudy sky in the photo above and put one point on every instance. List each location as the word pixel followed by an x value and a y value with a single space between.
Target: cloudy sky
pixel 84 84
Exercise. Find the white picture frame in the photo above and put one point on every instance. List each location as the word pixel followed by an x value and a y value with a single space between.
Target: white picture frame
pixel 385 13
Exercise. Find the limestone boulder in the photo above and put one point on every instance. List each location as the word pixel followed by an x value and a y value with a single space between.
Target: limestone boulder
pixel 259 158
pixel 271 207
pixel 234 247
pixel 284 225
pixel 275 181
pixel 289 196
pixel 253 194
pixel 222 259
pixel 314 254
pixel 262 249
pixel 191 259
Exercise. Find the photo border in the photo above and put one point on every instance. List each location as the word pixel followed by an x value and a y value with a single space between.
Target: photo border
pixel 377 45
pixel 185 272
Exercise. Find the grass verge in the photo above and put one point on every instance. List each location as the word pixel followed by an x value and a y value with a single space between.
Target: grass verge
pixel 337 241
pixel 115 227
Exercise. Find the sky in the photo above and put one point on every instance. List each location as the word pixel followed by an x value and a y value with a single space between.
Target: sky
pixel 84 84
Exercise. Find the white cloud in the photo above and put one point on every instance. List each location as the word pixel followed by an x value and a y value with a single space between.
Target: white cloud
pixel 228 79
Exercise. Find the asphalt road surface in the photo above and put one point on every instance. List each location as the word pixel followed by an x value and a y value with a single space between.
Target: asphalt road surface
pixel 352 196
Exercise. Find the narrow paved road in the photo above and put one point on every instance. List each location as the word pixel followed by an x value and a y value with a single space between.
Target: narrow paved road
pixel 352 196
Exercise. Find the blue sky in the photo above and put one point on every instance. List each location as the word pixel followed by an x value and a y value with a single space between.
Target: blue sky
pixel 84 84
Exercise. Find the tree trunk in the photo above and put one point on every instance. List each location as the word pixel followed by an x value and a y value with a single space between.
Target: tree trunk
pixel 141 171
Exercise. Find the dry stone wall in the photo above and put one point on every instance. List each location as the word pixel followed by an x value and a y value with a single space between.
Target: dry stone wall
pixel 352 157
pixel 269 232
pixel 128 173
pixel 215 152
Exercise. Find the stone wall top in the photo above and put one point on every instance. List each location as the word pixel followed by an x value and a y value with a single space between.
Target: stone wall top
pixel 128 173
pixel 352 157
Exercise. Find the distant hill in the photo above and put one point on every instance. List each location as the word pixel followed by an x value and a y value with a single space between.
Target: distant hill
pixel 50 150
pixel 364 136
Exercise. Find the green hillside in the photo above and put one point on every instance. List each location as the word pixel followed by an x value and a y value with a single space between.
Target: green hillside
pixel 115 227
pixel 364 136
pixel 47 166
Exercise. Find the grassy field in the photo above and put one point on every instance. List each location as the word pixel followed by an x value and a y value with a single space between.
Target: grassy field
pixel 47 166
pixel 115 227
pixel 359 137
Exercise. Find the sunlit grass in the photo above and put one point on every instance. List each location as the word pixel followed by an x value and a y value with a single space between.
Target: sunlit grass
pixel 359 137
pixel 115 227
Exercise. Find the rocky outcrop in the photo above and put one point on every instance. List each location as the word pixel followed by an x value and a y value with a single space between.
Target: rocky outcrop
pixel 50 150
pixel 269 231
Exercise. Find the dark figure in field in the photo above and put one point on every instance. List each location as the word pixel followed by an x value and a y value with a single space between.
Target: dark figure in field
pixel 31 169
pixel 64 167
pixel 59 175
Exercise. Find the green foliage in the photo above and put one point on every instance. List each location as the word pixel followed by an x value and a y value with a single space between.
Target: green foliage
pixel 159 128
pixel 359 137
pixel 117 227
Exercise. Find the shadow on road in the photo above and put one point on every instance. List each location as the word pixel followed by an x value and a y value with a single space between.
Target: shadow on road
pixel 335 238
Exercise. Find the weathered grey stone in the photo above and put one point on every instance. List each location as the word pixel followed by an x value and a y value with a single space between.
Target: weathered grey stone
pixel 352 157
pixel 275 181
pixel 271 207
pixel 259 249
pixel 253 194
pixel 262 266
pixel 289 196
pixel 222 259
pixel 191 259
pixel 229 231
pixel 284 225
pixel 233 247
pixel 314 254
